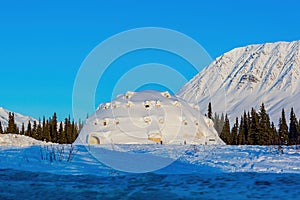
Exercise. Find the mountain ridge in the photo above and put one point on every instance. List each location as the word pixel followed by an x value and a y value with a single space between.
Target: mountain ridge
pixel 19 118
pixel 248 76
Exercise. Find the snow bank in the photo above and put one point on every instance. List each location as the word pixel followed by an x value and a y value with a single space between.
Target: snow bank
pixel 19 140
pixel 199 159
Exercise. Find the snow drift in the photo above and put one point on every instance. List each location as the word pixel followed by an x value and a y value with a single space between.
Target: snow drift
pixel 17 140
pixel 148 117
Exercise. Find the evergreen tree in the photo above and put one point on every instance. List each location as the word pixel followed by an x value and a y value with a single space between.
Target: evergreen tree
pixel 67 130
pixel 246 127
pixel 274 135
pixel 29 130
pixel 34 130
pixel 293 128
pixel 53 128
pixel 218 123
pixel 265 132
pixel 225 134
pixel 47 131
pixel 43 135
pixel 22 129
pixel 74 131
pixel 253 137
pixel 241 136
pixel 12 127
pixel 39 131
pixel 61 134
pixel 221 123
pixel 1 130
pixel 215 119
pixel 234 132
pixel 209 111
pixel 283 133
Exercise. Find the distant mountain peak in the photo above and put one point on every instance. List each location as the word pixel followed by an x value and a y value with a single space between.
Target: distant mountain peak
pixel 19 119
pixel 246 77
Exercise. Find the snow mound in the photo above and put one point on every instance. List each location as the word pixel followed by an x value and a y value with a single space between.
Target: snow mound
pixel 148 117
pixel 18 140
pixel 247 77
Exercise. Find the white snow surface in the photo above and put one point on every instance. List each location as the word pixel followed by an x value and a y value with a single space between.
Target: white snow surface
pixel 19 119
pixel 212 172
pixel 148 117
pixel 203 159
pixel 19 140
pixel 247 77
pixel 201 171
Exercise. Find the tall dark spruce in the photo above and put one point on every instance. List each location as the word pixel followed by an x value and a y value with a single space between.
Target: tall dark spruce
pixel 253 137
pixel 234 132
pixel 283 131
pixel 241 140
pixel 293 132
pixel 11 127
pixel 1 130
pixel 265 131
pixel 225 133
pixel 209 111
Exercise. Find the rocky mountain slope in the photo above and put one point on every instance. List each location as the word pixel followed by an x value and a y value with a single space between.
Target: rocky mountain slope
pixel 248 76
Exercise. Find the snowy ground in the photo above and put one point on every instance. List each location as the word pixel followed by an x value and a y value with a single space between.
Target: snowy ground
pixel 52 171
pixel 18 140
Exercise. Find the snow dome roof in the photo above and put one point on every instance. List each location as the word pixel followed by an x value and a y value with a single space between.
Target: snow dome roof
pixel 148 117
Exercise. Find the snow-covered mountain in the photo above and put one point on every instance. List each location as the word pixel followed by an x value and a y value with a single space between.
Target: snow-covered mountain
pixel 248 76
pixel 19 119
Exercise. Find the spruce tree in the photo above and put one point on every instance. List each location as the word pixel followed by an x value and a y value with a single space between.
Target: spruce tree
pixel 74 131
pixel 253 137
pixel 221 123
pixel 234 132
pixel 67 130
pixel 53 128
pixel 39 131
pixel 249 127
pixel 241 136
pixel 34 130
pixel 61 134
pixel 209 111
pixel 29 130
pixel 218 124
pixel 11 127
pixel 1 130
pixel 246 127
pixel 265 133
pixel 22 129
pixel 293 128
pixel 47 131
pixel 43 136
pixel 274 134
pixel 283 133
pixel 225 133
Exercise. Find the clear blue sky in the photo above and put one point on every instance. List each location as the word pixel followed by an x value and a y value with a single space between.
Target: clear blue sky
pixel 43 43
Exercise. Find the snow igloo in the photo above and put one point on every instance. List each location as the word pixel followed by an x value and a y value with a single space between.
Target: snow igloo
pixel 148 117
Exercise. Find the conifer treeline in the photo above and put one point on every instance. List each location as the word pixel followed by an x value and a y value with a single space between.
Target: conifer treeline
pixel 48 130
pixel 255 128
